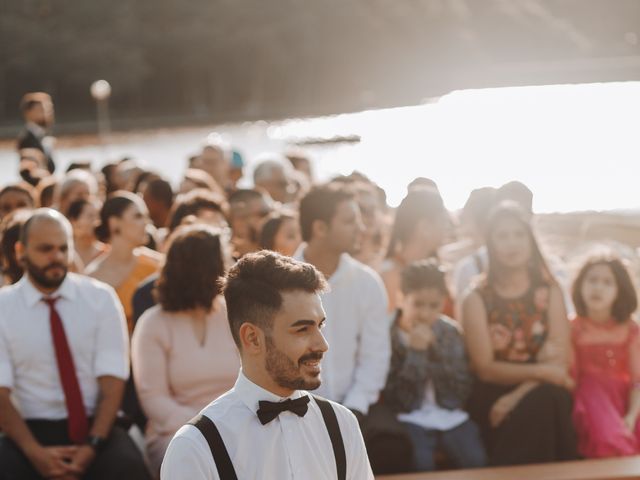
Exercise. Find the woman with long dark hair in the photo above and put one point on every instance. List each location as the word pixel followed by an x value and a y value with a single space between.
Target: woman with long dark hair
pixel 183 354
pixel 417 233
pixel 123 222
pixel 517 336
pixel 83 215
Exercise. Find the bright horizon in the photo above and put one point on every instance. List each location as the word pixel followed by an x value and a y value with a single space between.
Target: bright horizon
pixel 576 146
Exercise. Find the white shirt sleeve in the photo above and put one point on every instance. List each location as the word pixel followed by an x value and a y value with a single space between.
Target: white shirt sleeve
pixel 187 458
pixel 6 366
pixel 374 350
pixel 463 274
pixel 112 347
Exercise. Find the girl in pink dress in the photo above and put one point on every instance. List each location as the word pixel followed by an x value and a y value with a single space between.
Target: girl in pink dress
pixel 606 344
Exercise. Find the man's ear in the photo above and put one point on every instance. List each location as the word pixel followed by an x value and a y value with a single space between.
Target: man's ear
pixel 19 249
pixel 252 339
pixel 319 229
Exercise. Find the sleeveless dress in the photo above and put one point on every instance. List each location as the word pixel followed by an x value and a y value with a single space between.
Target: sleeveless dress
pixel 539 429
pixel 607 366
pixel 146 265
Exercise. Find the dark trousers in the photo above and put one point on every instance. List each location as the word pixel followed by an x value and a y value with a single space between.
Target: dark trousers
pixel 119 460
pixel 538 430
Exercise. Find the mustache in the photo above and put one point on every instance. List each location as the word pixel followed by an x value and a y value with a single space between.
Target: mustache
pixel 54 265
pixel 311 356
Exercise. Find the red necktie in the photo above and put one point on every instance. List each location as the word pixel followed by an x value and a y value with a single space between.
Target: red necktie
pixel 78 424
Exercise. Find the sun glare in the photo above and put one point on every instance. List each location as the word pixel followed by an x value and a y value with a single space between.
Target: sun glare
pixel 575 146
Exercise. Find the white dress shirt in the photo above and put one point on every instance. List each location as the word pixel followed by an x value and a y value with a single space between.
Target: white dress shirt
pixel 354 370
pixel 288 447
pixel 96 332
pixel 467 270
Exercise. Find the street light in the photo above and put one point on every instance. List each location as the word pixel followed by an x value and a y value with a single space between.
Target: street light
pixel 101 91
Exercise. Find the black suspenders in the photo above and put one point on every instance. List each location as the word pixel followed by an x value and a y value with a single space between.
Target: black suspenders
pixel 216 445
pixel 221 456
pixel 331 422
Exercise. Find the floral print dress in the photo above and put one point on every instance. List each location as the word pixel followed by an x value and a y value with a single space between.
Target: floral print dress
pixel 518 327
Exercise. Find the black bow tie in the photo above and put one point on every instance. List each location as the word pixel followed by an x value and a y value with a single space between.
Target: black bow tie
pixel 270 410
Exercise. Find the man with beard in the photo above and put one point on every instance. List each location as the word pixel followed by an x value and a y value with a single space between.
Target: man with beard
pixel 63 363
pixel 356 367
pixel 268 426
pixel 37 110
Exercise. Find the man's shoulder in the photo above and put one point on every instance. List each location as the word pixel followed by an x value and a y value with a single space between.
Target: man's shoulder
pixel 89 283
pixel 360 271
pixel 93 290
pixel 219 409
pixel 8 293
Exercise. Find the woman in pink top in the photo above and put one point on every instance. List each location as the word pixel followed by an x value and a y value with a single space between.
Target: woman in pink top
pixel 183 354
pixel 606 343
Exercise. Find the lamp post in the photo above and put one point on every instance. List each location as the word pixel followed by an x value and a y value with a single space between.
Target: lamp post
pixel 101 91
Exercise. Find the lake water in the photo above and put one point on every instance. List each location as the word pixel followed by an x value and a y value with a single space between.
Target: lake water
pixel 576 146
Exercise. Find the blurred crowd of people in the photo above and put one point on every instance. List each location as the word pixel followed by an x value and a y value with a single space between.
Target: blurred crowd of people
pixel 449 335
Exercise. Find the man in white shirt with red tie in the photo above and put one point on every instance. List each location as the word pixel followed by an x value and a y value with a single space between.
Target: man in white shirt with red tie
pixel 63 364
pixel 268 426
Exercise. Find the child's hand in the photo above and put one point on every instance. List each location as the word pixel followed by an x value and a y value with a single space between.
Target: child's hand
pixel 630 422
pixel 501 409
pixel 421 336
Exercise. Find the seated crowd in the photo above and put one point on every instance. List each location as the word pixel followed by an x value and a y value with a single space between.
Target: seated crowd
pixel 458 363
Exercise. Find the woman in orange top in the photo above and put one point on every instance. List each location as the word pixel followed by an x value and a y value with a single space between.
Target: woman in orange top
pixel 123 222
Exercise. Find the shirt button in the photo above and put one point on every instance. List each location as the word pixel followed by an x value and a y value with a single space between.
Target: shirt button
pixel 612 362
pixel 609 353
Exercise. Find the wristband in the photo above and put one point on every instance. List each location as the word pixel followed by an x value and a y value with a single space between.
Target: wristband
pixel 95 442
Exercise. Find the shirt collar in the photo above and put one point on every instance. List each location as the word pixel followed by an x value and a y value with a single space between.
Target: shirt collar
pixel 342 263
pixel 32 295
pixel 251 394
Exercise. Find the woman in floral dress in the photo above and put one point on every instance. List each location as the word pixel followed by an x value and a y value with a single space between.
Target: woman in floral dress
pixel 517 335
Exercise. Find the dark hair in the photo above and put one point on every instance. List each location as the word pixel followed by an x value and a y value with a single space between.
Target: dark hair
pixel 627 300
pixel 30 100
pixel 423 274
pixel 79 165
pixel 160 189
pixel 21 187
pixel 109 171
pixel 517 192
pixel 46 189
pixel 244 195
pixel 422 203
pixel 114 206
pixel 194 263
pixel 143 177
pixel 321 203
pixel 76 207
pixel 10 231
pixel 192 203
pixel 253 287
pixel 478 206
pixel 538 267
pixel 271 227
